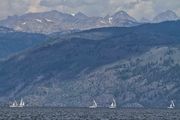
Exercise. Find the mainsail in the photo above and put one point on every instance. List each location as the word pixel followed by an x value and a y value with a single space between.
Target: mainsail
pixel 113 104
pixel 172 105
pixel 15 104
pixel 94 104
pixel 21 103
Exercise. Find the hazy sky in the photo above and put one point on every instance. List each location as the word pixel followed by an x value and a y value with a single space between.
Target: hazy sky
pixel 136 8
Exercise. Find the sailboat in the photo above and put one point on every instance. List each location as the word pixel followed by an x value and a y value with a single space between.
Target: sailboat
pixel 21 104
pixel 113 104
pixel 172 105
pixel 15 104
pixel 94 104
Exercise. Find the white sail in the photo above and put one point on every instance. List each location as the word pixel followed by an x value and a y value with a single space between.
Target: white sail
pixel 15 104
pixel 172 102
pixel 172 105
pixel 94 104
pixel 21 104
pixel 113 104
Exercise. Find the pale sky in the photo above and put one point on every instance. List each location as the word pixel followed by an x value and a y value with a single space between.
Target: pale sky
pixel 136 8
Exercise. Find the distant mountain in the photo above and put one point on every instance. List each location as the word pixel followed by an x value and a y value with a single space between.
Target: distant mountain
pixel 54 21
pixel 166 16
pixel 121 18
pixel 138 66
pixel 12 41
pixel 80 15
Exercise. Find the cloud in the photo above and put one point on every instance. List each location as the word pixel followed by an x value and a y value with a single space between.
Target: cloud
pixel 136 8
pixel 89 7
pixel 35 6
pixel 143 9
pixel 12 7
pixel 71 3
pixel 19 7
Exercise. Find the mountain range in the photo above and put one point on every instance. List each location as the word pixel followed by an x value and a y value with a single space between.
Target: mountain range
pixel 54 21
pixel 137 66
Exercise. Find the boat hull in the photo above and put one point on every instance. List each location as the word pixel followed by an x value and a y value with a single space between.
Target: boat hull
pixel 92 107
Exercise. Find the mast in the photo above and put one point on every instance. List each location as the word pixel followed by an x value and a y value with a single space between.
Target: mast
pixel 113 104
pixel 14 104
pixel 95 104
pixel 172 103
pixel 21 103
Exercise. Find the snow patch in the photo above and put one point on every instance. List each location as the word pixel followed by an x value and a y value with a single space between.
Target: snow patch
pixel 48 20
pixel 18 28
pixel 38 20
pixel 23 23
pixel 103 22
pixel 110 20
pixel 73 14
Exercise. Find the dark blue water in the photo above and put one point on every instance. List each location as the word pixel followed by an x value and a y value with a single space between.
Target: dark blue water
pixel 87 114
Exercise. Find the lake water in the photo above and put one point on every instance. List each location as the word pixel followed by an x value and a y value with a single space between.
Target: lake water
pixel 87 114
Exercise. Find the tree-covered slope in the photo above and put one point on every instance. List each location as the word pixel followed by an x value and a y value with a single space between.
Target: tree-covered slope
pixel 137 66
pixel 12 41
